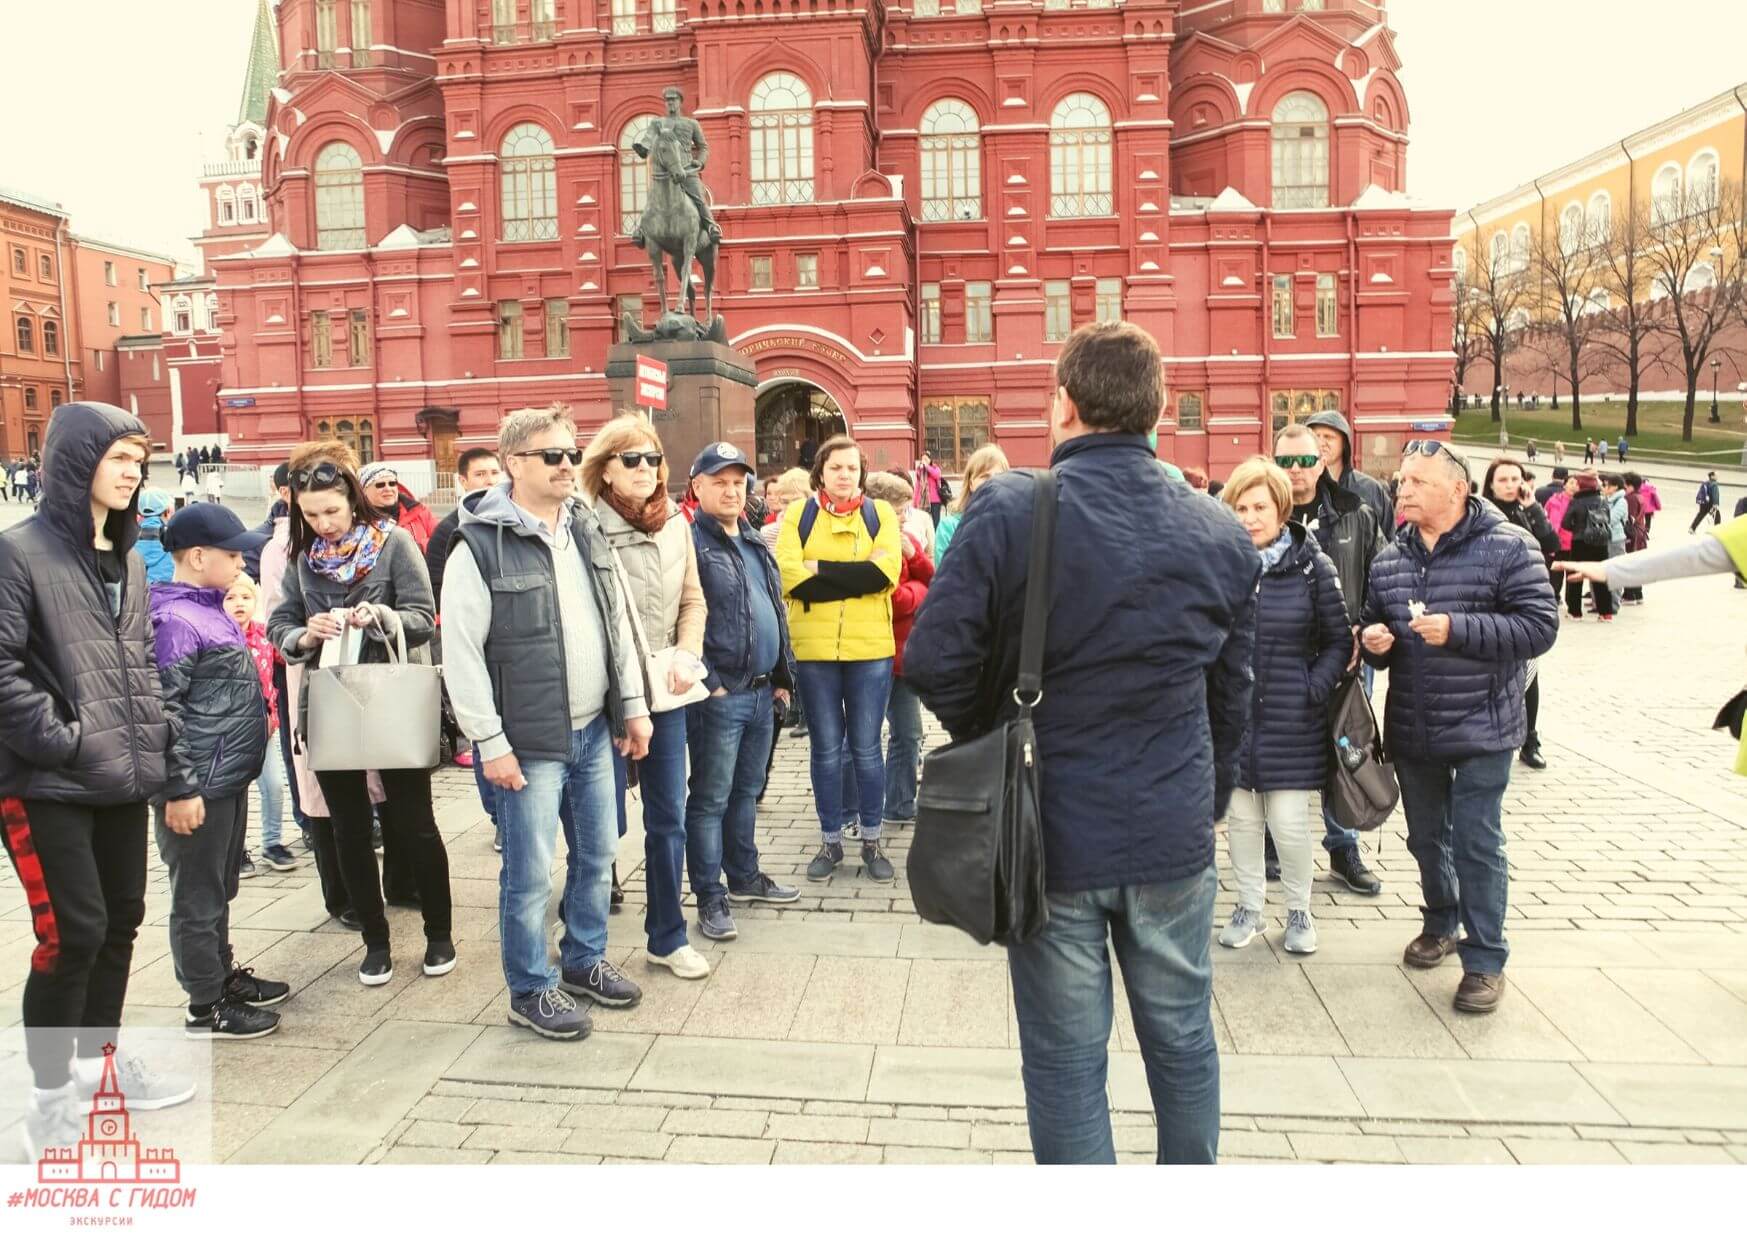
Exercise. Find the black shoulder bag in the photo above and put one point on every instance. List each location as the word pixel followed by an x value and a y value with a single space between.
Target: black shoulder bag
pixel 976 861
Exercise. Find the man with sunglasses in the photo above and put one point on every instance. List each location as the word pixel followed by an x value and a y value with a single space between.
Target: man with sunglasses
pixel 529 587
pixel 1347 531
pixel 1457 605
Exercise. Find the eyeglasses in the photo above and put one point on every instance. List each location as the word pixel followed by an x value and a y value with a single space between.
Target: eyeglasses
pixel 1432 447
pixel 552 456
pixel 385 482
pixel 1307 461
pixel 317 477
pixel 630 460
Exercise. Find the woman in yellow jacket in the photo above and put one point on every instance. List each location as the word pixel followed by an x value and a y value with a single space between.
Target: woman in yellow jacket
pixel 838 575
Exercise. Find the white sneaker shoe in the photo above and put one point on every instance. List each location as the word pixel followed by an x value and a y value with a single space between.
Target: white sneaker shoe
pixel 1300 932
pixel 1244 925
pixel 686 961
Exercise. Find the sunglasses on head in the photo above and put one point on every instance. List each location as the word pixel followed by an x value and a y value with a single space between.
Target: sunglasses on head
pixel 552 456
pixel 1305 461
pixel 316 477
pixel 630 460
pixel 1432 447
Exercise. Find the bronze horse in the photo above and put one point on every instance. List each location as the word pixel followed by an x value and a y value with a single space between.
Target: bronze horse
pixel 672 228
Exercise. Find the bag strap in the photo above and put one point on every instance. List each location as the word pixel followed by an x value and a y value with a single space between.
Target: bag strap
pixel 1037 592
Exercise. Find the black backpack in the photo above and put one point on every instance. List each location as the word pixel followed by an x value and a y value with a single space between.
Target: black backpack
pixel 1597 527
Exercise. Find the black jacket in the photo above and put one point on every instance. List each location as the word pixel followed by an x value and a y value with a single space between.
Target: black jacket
pixel 252 556
pixel 82 719
pixel 1347 531
pixel 1533 518
pixel 437 550
pixel 1577 519
pixel 728 631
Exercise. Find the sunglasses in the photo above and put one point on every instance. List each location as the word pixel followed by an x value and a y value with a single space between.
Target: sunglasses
pixel 385 482
pixel 630 460
pixel 553 456
pixel 1431 447
pixel 1308 461
pixel 319 477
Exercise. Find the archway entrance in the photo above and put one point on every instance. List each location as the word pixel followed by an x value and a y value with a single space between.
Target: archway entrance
pixel 789 415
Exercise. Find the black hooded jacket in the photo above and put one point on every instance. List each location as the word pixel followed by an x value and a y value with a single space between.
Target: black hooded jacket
pixel 84 720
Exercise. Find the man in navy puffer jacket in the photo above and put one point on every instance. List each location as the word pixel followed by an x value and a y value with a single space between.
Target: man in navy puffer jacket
pixel 1455 608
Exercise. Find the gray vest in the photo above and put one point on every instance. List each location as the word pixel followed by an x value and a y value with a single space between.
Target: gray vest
pixel 526 640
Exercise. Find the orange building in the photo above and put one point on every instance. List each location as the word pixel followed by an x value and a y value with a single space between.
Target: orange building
pixel 115 293
pixel 39 348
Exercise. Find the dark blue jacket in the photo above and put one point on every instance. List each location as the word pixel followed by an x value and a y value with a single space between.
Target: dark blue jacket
pixel 1464 698
pixel 1303 644
pixel 728 632
pixel 1146 669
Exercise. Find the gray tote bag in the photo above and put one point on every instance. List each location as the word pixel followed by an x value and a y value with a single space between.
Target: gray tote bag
pixel 375 716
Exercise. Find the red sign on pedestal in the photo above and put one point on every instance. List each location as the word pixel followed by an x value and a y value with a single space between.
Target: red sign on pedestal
pixel 651 382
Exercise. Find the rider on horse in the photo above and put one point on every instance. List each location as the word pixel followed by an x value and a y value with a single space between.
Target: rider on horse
pixel 695 151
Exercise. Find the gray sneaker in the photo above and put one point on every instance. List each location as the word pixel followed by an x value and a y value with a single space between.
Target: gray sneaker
pixel 763 890
pixel 57 1122
pixel 551 1014
pixel 1244 925
pixel 603 983
pixel 820 867
pixel 146 1089
pixel 1300 932
pixel 873 857
pixel 715 922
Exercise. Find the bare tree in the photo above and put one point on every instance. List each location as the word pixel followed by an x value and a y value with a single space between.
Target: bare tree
pixel 1697 278
pixel 1627 335
pixel 1500 289
pixel 1566 263
pixel 1469 340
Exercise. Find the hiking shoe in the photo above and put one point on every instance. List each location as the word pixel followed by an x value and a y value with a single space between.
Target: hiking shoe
pixel 685 961
pixel 1480 992
pixel 1531 756
pixel 246 868
pixel 763 890
pixel 146 1090
pixel 229 1021
pixel 1427 951
pixel 550 1013
pixel 714 921
pixel 55 1122
pixel 439 957
pixel 378 967
pixel 820 867
pixel 1347 865
pixel 279 857
pixel 603 983
pixel 242 986
pixel 1244 925
pixel 1300 932
pixel 873 857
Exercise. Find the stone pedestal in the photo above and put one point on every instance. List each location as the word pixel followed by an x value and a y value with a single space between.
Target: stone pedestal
pixel 709 398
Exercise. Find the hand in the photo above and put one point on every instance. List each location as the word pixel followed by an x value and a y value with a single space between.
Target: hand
pixel 781 697
pixel 678 681
pixel 505 773
pixel 1587 570
pixel 909 547
pixel 719 691
pixel 318 629
pixel 812 566
pixel 1433 630
pixel 1377 639
pixel 363 616
pixel 183 817
pixel 636 743
pixel 1354 661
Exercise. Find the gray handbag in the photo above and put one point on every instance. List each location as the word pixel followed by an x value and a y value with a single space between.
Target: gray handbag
pixel 375 716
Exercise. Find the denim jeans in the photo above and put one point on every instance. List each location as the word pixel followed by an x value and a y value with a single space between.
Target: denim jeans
pixel 529 817
pixel 846 701
pixel 1063 996
pixel 728 737
pixel 1455 830
pixel 1335 836
pixel 661 780
pixel 903 750
pixel 487 789
pixel 271 785
pixel 202 869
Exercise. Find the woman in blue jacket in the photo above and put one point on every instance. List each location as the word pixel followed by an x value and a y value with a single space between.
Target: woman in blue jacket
pixel 1303 643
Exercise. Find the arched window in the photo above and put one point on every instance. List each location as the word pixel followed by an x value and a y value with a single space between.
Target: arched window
pixel 1516 320
pixel 782 140
pixel 1519 248
pixel 952 162
pixel 246 204
pixel 529 177
pixel 360 436
pixel 1079 157
pixel 227 206
pixel 1571 229
pixel 26 335
pixel 1499 247
pixel 1599 218
pixel 51 331
pixel 1701 183
pixel 1596 302
pixel 1665 195
pixel 1701 277
pixel 633 175
pixel 1459 260
pixel 339 198
pixel 1300 151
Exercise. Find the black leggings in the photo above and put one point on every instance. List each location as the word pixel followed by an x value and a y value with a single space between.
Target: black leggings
pixel 1532 708
pixel 407 816
pixel 1604 596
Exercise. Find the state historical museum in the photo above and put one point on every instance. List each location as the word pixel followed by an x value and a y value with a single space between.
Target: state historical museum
pixel 919 203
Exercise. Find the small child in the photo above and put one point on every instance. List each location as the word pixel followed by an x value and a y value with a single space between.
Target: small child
pixel 212 690
pixel 242 602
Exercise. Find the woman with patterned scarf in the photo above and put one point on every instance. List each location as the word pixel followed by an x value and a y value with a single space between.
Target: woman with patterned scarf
pixel 347 558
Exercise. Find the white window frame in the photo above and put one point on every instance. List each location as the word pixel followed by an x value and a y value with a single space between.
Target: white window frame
pixel 1301 152
pixel 1081 142
pixel 527 185
pixel 633 173
pixel 339 198
pixel 952 161
pixel 781 119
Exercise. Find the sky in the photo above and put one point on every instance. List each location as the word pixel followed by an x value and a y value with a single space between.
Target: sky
pixel 112 108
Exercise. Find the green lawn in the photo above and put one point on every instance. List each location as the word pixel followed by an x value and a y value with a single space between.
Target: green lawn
pixel 1658 428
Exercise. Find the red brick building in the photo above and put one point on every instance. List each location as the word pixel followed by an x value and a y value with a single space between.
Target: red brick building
pixel 920 202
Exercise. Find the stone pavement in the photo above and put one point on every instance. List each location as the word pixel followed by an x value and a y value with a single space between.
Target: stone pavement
pixel 842 1029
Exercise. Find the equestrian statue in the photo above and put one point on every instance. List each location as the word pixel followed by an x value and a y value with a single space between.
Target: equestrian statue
pixel 677 225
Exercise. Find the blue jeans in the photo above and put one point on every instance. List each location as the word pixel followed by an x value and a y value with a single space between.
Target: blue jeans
pixel 529 817
pixel 1062 994
pixel 729 737
pixel 1455 830
pixel 846 702
pixel 270 783
pixel 903 750
pixel 1334 836
pixel 487 789
pixel 661 779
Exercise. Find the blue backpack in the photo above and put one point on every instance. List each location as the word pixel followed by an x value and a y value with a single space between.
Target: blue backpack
pixel 870 517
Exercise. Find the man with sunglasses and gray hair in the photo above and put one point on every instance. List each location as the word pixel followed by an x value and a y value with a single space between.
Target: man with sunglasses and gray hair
pixel 1456 606
pixel 529 587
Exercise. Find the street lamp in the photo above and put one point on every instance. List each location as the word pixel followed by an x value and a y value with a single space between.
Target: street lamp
pixel 1503 417
pixel 1716 365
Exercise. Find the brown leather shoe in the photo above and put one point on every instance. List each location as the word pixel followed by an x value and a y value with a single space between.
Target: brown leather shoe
pixel 1479 992
pixel 1428 951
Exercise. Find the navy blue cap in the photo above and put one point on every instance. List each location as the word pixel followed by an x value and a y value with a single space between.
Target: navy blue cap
pixel 209 525
pixel 719 456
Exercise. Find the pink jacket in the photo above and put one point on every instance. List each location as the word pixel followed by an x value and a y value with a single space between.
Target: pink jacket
pixel 255 636
pixel 927 485
pixel 1557 503
pixel 1652 501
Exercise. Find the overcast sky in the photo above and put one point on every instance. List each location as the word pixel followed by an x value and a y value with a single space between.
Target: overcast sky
pixel 113 105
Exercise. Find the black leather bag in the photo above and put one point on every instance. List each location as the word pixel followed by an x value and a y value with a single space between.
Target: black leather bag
pixel 976 861
pixel 1362 790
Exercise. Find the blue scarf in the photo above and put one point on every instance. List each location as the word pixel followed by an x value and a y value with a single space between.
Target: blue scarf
pixel 1276 551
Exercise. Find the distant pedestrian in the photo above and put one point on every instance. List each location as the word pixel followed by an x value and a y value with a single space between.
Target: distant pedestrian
pixel 1588 522
pixel 188 492
pixel 214 484
pixel 1637 530
pixel 928 487
pixel 1530 450
pixel 1652 503
pixel 1558 452
pixel 1623 445
pixel 1710 502
pixel 1601 452
pixel 1589 452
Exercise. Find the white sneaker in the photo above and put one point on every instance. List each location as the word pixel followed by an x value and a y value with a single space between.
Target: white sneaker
pixel 686 961
pixel 1245 923
pixel 1300 932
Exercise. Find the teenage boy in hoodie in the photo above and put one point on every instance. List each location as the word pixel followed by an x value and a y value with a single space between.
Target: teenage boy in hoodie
pixel 82 744
pixel 211 685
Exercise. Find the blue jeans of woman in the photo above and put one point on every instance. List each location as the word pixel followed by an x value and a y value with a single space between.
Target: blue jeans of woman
pixel 903 750
pixel 270 783
pixel 661 779
pixel 846 702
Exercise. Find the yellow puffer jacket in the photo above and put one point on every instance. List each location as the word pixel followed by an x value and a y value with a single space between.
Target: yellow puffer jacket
pixel 856 628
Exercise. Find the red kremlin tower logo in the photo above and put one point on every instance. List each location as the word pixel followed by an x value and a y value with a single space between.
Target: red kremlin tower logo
pixel 109 1153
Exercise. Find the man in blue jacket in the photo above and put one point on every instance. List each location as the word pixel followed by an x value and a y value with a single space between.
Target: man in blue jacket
pixel 1455 608
pixel 1146 691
